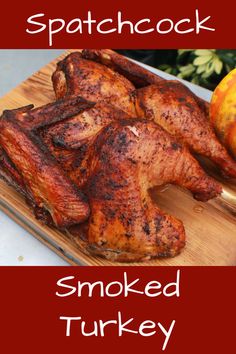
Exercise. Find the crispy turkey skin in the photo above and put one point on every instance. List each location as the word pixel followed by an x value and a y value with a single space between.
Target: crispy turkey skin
pixel 40 175
pixel 93 81
pixel 173 106
pixel 127 159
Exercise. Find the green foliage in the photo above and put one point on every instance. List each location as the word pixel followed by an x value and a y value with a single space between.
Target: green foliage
pixel 204 67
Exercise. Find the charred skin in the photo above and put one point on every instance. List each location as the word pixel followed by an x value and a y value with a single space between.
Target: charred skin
pixel 9 173
pixel 59 124
pixel 127 159
pixel 42 176
pixel 72 132
pixel 13 178
pixel 135 73
pixel 173 106
pixel 33 119
pixel 139 76
pixel 69 141
pixel 93 81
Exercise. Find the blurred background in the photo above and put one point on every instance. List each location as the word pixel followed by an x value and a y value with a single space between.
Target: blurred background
pixel 17 65
pixel 204 67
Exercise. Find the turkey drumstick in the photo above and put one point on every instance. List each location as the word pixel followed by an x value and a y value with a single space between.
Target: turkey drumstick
pixel 128 158
pixel 173 106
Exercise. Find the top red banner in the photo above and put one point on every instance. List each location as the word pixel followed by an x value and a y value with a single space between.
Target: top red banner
pixel 119 24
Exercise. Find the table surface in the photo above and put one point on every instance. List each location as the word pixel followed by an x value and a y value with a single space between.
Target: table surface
pixel 17 246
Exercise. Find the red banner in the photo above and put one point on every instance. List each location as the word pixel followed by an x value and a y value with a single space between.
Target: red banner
pixel 119 24
pixel 172 310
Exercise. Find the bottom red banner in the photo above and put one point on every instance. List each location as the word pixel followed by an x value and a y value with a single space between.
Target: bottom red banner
pixel 114 309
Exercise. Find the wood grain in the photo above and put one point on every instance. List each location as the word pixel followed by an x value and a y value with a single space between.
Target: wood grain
pixel 210 227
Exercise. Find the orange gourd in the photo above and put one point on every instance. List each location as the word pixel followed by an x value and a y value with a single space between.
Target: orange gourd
pixel 223 111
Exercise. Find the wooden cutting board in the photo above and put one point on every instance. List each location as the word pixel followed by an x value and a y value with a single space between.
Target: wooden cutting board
pixel 210 227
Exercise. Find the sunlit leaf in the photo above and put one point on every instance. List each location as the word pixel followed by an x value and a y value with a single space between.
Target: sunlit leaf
pixel 201 69
pixel 187 70
pixel 205 67
pixel 209 71
pixel 202 60
pixel 218 66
